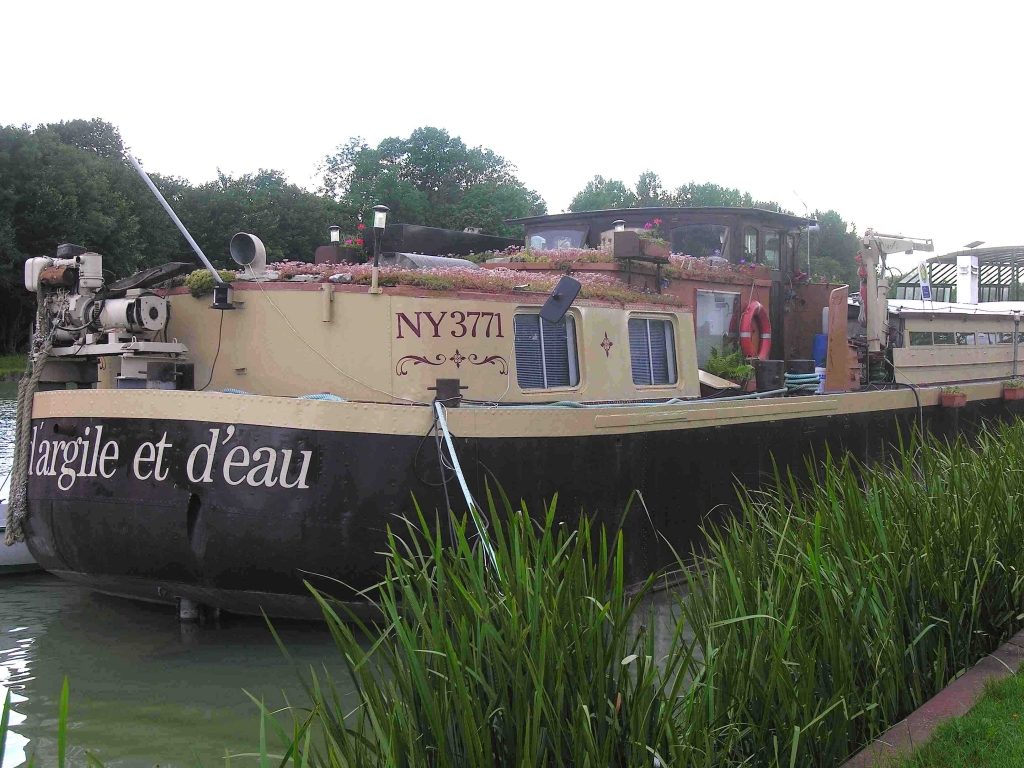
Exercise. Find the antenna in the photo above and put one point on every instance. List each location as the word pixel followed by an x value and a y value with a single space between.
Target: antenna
pixel 174 217
pixel 807 215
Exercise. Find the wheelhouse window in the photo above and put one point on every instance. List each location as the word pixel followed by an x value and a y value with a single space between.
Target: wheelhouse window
pixel 545 352
pixel 964 339
pixel 558 239
pixel 944 337
pixel 771 248
pixel 920 338
pixel 750 244
pixel 700 240
pixel 652 351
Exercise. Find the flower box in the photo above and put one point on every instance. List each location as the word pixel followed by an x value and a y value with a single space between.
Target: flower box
pixel 653 248
pixel 1013 393
pixel 952 400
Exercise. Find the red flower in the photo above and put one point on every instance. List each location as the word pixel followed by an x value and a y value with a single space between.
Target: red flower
pixel 360 226
pixel 359 241
pixel 657 221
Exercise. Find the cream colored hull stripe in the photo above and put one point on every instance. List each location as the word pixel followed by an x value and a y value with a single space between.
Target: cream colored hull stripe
pixel 386 419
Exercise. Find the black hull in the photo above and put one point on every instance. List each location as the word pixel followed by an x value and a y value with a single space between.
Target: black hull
pixel 248 548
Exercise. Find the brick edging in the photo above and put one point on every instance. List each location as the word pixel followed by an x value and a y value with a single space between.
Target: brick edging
pixel 955 699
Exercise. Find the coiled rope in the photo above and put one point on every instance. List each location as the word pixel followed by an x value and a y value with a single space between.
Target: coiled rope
pixel 42 344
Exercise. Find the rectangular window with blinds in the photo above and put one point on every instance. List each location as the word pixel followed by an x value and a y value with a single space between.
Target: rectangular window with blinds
pixel 546 352
pixel 652 352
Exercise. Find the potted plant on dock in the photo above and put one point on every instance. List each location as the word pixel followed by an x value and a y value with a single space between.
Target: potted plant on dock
pixel 1013 389
pixel 952 397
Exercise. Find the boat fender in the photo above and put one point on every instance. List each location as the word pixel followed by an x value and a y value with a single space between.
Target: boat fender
pixel 755 312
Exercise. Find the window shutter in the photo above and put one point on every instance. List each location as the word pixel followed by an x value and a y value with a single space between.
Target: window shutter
pixel 545 352
pixel 652 352
pixel 556 353
pixel 529 363
pixel 659 351
pixel 638 357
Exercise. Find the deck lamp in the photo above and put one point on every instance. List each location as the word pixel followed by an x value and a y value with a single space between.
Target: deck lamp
pixel 335 231
pixel 380 217
pixel 620 225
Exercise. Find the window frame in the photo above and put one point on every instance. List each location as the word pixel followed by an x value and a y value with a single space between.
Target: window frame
pixel 756 256
pixel 671 350
pixel 763 248
pixel 573 351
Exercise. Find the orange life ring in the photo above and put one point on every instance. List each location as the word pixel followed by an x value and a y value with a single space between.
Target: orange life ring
pixel 755 311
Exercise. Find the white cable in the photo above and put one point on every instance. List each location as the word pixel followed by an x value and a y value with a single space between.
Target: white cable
pixel 481 529
pixel 314 349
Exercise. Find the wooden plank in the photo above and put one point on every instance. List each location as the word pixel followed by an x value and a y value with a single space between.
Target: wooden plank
pixel 837 363
pixel 710 380
pixel 743 409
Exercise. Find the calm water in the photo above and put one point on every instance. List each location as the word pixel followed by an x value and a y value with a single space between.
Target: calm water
pixel 143 687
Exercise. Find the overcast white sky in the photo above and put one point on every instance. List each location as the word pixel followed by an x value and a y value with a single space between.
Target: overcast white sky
pixel 905 117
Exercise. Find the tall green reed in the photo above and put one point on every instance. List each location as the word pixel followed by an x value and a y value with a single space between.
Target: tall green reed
pixel 828 610
pixel 538 659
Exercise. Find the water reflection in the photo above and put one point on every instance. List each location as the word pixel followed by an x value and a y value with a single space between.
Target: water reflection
pixel 142 690
pixel 8 411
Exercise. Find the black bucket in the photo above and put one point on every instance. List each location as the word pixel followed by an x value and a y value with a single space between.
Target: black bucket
pixel 769 374
pixel 800 366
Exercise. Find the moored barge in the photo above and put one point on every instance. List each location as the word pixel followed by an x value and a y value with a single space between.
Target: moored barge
pixel 223 454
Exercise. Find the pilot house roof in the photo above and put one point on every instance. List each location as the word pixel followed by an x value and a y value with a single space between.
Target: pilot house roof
pixel 782 219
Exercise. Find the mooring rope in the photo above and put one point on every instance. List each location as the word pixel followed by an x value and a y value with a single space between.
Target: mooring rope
pixel 474 510
pixel 42 344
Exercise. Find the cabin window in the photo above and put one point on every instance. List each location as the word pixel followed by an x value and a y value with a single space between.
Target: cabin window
pixel 1005 338
pixel 750 244
pixel 701 240
pixel 965 339
pixel 546 352
pixel 652 352
pixel 988 338
pixel 944 337
pixel 771 248
pixel 558 239
pixel 920 338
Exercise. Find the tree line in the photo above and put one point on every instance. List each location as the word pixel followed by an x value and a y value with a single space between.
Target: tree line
pixel 70 182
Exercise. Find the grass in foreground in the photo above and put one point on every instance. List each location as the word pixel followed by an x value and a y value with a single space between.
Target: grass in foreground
pixel 12 363
pixel 991 735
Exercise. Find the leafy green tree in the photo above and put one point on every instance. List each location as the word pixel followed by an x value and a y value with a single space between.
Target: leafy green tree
pixel 53 192
pixel 833 249
pixel 649 191
pixel 430 178
pixel 69 182
pixel 693 195
pixel 602 194
pixel 290 221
